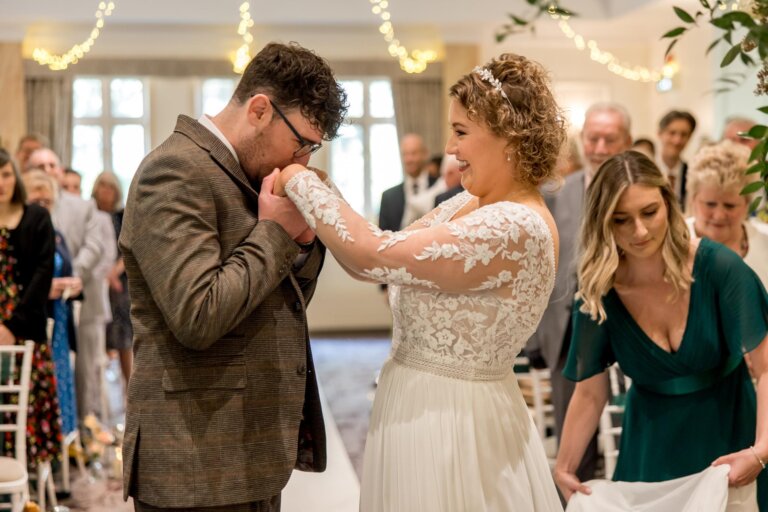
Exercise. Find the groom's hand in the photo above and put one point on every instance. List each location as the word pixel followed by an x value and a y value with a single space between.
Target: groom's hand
pixel 280 209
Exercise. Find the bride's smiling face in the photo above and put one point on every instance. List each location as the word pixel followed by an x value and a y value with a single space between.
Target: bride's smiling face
pixel 482 155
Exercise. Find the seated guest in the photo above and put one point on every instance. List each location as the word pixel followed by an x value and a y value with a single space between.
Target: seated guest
pixel 719 211
pixel 27 247
pixel 42 190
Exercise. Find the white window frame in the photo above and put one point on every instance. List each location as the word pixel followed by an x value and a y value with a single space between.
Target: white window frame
pixel 107 122
pixel 366 122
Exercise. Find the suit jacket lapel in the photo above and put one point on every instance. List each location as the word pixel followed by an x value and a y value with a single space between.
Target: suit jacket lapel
pixel 218 151
pixel 222 156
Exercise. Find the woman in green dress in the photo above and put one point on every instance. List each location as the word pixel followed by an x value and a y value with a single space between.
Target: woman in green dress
pixel 677 314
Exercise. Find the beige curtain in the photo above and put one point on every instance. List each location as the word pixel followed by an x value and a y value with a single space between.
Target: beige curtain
pixel 49 111
pixel 419 109
pixel 13 124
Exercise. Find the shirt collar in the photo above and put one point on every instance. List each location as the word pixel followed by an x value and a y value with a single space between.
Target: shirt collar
pixel 208 123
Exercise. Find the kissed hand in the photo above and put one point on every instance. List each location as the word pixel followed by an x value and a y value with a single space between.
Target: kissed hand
pixel 290 171
pixel 280 209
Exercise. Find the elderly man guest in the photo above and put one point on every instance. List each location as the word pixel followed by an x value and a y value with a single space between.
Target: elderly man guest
pixel 606 132
pixel 223 403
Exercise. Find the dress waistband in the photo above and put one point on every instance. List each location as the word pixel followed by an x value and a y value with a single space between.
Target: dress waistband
pixel 455 371
pixel 692 383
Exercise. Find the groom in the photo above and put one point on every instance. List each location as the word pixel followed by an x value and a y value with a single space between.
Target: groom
pixel 223 402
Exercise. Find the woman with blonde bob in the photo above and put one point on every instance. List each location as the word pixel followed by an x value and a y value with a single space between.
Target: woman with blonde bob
pixel 719 211
pixel 677 314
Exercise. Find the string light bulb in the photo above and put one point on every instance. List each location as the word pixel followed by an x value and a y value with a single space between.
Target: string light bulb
pixel 610 61
pixel 78 51
pixel 243 54
pixel 417 60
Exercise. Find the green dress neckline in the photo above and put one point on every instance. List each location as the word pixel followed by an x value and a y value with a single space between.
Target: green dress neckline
pixel 632 323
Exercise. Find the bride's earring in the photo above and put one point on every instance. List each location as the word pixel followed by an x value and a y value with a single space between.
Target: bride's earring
pixel 509 157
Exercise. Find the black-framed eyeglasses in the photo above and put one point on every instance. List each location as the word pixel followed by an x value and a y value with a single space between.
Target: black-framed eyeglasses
pixel 307 147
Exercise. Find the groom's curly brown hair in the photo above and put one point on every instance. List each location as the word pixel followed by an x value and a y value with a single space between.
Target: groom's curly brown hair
pixel 295 77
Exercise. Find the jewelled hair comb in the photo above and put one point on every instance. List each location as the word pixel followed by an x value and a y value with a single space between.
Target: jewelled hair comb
pixel 486 75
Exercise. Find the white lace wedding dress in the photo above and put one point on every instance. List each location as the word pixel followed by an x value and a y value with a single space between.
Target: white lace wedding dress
pixel 449 430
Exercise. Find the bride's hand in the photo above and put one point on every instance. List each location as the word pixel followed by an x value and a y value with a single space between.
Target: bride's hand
pixel 744 467
pixel 284 177
pixel 569 483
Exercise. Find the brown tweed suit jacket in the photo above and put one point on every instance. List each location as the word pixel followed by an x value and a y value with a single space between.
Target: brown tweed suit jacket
pixel 223 374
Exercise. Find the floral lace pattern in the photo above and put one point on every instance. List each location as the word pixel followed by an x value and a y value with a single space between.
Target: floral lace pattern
pixel 466 294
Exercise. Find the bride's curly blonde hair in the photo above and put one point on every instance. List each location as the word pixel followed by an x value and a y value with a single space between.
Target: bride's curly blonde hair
pixel 528 117
pixel 600 255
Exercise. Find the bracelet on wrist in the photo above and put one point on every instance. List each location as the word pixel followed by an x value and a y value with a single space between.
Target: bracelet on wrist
pixel 759 460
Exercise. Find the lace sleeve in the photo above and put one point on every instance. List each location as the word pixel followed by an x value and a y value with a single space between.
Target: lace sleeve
pixel 502 247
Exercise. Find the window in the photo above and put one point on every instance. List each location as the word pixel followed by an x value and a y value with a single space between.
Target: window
pixel 215 93
pixel 365 158
pixel 111 127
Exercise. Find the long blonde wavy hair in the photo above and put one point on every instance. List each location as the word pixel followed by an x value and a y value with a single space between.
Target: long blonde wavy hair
pixel 600 255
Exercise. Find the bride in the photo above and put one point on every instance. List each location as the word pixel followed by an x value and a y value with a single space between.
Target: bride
pixel 468 285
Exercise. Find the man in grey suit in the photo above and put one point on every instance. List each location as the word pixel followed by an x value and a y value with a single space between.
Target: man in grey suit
pixel 90 238
pixel 606 133
pixel 223 403
pixel 415 196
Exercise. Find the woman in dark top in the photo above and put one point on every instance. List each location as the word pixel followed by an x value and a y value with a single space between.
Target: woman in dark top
pixel 677 314
pixel 27 248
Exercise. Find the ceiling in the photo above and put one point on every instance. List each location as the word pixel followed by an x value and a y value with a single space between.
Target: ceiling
pixel 23 14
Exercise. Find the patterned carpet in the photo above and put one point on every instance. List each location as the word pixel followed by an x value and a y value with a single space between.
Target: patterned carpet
pixel 346 367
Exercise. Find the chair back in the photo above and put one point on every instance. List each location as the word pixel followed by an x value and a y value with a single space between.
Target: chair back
pixel 15 369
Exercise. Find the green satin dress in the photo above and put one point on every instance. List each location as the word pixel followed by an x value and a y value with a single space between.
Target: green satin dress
pixel 685 408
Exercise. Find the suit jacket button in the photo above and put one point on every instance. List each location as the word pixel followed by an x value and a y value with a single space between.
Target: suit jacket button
pixel 301 369
pixel 297 306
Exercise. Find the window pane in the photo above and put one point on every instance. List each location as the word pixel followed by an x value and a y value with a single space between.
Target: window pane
pixel 86 97
pixel 386 168
pixel 127 96
pixel 216 94
pixel 381 99
pixel 127 151
pixel 348 166
pixel 354 90
pixel 87 154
